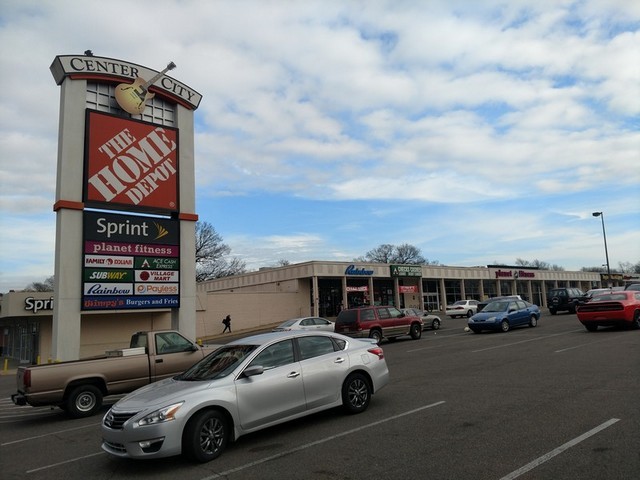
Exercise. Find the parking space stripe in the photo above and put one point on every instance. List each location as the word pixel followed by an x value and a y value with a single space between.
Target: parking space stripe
pixel 547 456
pixel 543 337
pixel 319 442
pixel 57 432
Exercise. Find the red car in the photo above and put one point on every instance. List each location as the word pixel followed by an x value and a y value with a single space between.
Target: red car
pixel 614 308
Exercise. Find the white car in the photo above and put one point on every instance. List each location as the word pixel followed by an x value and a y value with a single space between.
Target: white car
pixel 462 308
pixel 306 323
pixel 428 320
pixel 247 385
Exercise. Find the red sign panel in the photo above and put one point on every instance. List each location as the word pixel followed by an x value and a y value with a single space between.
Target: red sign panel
pixel 130 164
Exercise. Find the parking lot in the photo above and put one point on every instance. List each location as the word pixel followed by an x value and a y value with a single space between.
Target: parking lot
pixel 550 402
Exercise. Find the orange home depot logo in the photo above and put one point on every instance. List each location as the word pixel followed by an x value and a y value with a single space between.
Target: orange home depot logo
pixel 131 163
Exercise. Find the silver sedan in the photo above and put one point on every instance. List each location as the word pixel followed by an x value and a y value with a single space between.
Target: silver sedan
pixel 244 386
pixel 305 323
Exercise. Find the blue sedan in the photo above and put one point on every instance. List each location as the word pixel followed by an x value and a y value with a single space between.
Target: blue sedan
pixel 504 314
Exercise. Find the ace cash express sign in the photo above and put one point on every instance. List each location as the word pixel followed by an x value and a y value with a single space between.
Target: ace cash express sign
pixel 130 262
pixel 130 164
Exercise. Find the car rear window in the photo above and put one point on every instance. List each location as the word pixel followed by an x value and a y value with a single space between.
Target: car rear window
pixel 347 317
pixel 314 346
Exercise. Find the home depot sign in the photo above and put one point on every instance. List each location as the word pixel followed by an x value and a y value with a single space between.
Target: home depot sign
pixel 130 163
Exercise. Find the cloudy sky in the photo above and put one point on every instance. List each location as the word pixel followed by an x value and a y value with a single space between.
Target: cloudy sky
pixel 478 131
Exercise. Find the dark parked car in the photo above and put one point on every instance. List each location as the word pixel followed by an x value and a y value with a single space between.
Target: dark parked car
pixel 632 286
pixel 564 299
pixel 378 322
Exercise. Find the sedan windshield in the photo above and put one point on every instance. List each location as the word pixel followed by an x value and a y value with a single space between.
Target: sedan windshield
pixel 496 307
pixel 217 364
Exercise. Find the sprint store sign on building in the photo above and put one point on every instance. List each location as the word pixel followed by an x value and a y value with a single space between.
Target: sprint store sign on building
pixel 130 262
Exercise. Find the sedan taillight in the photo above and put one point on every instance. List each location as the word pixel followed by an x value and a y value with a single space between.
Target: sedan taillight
pixel 377 351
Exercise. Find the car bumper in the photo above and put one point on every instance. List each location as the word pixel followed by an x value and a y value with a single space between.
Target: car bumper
pixel 152 441
pixel 484 325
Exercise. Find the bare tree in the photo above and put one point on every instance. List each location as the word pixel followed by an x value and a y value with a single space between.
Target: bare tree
pixel 538 264
pixel 210 255
pixel 401 254
pixel 46 286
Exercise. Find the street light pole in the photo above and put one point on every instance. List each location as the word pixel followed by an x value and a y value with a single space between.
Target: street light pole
pixel 606 252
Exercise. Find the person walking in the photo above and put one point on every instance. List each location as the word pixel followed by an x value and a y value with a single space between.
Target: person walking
pixel 227 323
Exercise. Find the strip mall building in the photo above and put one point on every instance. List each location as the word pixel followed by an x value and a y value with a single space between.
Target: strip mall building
pixel 260 299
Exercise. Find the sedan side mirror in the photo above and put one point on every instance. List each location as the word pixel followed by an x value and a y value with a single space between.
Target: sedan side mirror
pixel 254 370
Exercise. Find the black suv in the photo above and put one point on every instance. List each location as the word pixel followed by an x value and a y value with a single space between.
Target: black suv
pixel 565 299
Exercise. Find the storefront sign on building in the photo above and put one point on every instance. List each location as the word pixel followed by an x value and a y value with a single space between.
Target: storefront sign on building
pixel 515 274
pixel 408 288
pixel 406 271
pixel 353 270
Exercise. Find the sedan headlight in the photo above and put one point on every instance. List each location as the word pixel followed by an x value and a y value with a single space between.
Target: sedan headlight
pixel 165 414
pixel 492 319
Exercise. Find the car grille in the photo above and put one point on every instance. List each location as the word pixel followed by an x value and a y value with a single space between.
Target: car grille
pixel 115 421
pixel 601 307
pixel 115 447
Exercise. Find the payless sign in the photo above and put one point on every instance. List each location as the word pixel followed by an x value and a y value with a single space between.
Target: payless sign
pixel 130 164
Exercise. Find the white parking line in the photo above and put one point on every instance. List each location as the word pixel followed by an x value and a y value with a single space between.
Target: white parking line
pixel 559 450
pixel 318 442
pixel 587 344
pixel 65 462
pixel 543 337
pixel 28 439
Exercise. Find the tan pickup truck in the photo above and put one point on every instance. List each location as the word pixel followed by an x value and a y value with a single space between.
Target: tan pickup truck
pixel 79 386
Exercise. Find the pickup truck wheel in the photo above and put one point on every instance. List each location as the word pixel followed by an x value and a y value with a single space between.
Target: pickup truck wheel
pixel 356 393
pixel 205 437
pixel 83 401
pixel 415 331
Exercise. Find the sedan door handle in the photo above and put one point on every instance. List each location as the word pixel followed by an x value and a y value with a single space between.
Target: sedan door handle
pixel 293 375
pixel 159 360
pixel 339 360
